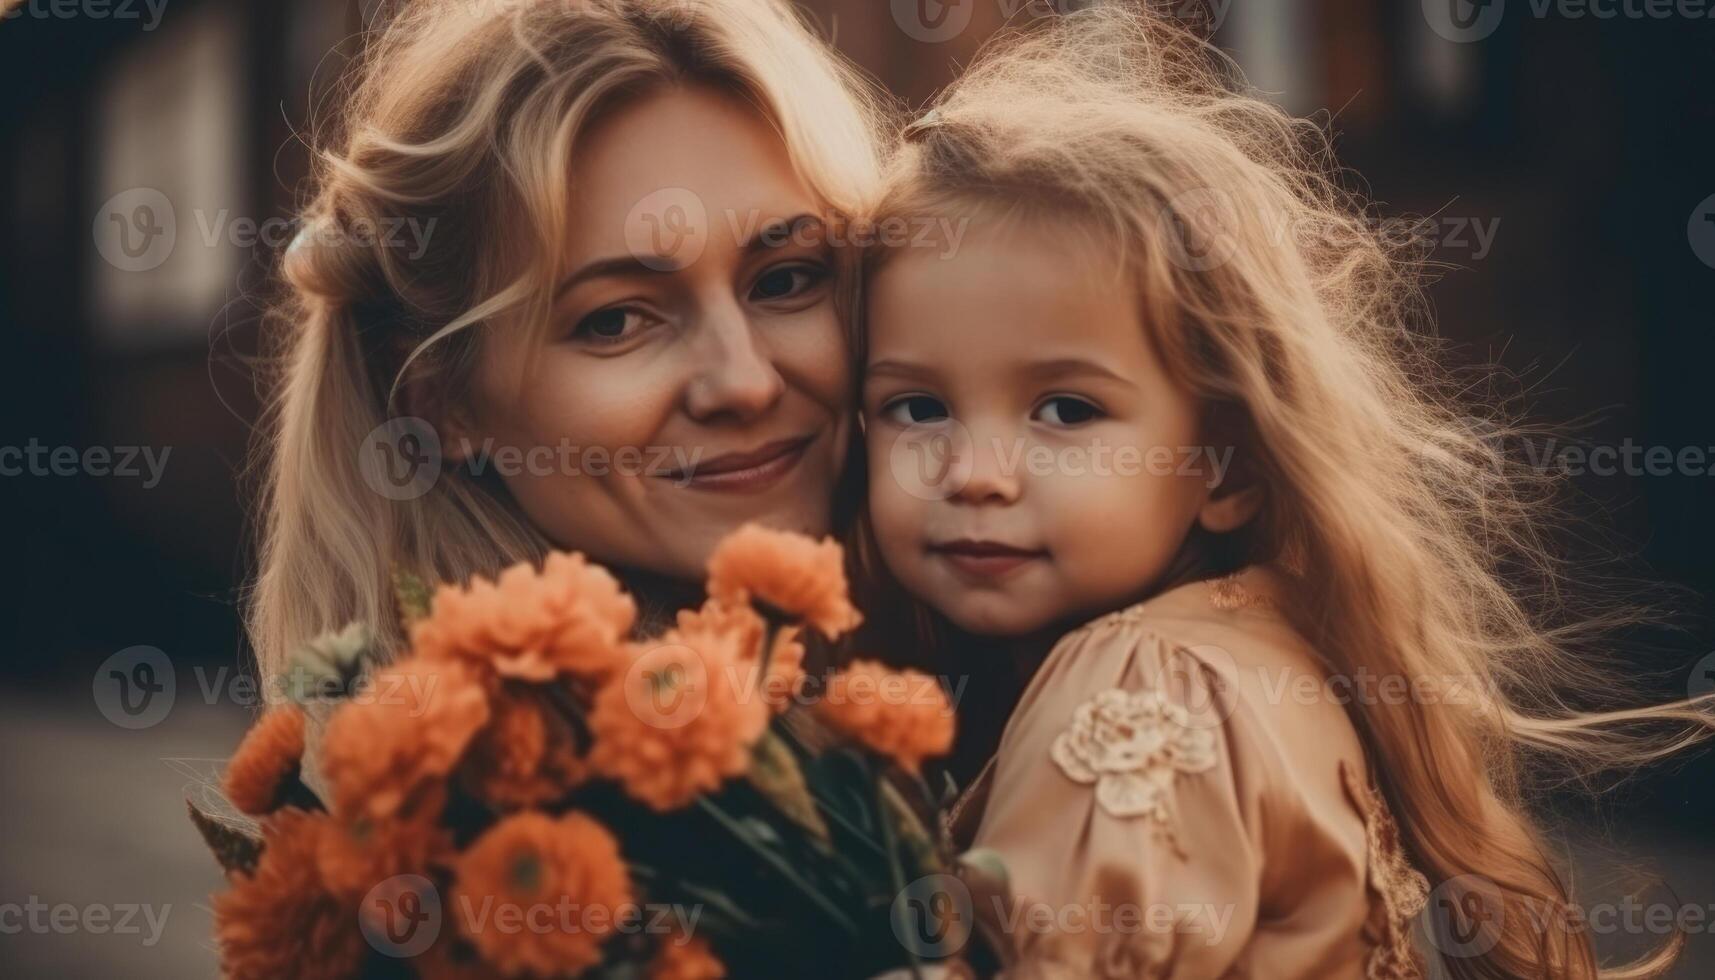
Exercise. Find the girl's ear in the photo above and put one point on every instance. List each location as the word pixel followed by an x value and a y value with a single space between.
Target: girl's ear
pixel 1239 494
pixel 1228 510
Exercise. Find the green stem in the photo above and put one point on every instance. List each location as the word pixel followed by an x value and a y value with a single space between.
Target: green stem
pixel 780 865
pixel 894 869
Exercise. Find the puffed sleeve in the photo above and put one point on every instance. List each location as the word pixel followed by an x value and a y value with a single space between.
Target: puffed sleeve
pixel 1128 803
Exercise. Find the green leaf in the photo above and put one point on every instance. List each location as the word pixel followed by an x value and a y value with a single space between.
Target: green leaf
pixel 775 773
pixel 329 665
pixel 412 596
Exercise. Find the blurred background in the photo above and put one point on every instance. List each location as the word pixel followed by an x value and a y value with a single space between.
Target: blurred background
pixel 149 161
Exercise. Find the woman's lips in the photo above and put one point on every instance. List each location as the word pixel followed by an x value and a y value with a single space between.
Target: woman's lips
pixel 986 559
pixel 745 472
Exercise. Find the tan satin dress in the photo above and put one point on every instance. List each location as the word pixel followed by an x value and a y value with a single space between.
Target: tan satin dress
pixel 1177 796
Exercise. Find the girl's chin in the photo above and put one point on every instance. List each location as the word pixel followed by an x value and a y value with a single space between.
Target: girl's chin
pixel 998 619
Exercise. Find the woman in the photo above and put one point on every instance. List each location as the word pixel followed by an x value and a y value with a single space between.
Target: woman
pixel 623 335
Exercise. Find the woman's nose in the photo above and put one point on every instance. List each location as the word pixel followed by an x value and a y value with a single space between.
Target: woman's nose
pixel 735 376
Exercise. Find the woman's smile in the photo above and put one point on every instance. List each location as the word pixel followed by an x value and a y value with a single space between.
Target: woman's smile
pixel 752 471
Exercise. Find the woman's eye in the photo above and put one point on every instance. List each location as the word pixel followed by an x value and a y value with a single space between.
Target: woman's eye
pixel 609 326
pixel 915 410
pixel 1066 410
pixel 786 282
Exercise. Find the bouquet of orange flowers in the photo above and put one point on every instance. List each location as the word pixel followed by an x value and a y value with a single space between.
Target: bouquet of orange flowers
pixel 531 792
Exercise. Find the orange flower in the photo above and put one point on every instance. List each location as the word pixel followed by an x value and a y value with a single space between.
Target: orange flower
pixel 685 957
pixel 903 715
pixel 266 762
pixel 529 624
pixel 715 616
pixel 679 721
pixel 281 921
pixel 785 676
pixel 355 855
pixel 795 574
pixel 524 874
pixel 406 729
pixel 527 755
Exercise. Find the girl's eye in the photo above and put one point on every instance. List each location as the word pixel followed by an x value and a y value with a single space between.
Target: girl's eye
pixel 1066 410
pixel 610 326
pixel 786 282
pixel 915 410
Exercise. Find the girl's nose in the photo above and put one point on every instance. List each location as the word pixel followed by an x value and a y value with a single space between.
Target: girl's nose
pixel 982 472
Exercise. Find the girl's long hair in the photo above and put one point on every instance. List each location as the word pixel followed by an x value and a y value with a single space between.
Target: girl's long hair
pixel 1418 549
pixel 463 117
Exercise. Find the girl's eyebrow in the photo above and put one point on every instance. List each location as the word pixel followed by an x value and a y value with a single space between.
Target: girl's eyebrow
pixel 1073 367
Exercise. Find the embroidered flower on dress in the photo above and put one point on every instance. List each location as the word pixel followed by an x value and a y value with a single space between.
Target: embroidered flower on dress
pixel 1132 745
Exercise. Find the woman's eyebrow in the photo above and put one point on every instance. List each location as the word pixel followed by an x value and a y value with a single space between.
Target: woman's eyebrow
pixel 902 370
pixel 778 232
pixel 775 233
pixel 619 265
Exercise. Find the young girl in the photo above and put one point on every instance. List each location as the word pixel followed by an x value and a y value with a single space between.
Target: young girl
pixel 1159 415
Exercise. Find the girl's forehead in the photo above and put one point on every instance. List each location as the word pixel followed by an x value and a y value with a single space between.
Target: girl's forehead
pixel 1005 306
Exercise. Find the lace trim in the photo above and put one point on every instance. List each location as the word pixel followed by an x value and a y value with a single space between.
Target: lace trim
pixel 1228 593
pixel 1401 890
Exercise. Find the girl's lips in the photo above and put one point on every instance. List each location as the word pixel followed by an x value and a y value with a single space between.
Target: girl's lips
pixel 985 559
pixel 747 472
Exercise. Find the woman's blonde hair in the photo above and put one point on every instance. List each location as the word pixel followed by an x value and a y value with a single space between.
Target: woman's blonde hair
pixel 1274 298
pixel 463 117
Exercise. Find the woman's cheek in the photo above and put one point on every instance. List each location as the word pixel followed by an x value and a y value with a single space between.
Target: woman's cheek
pixel 810 351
